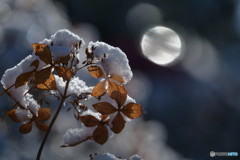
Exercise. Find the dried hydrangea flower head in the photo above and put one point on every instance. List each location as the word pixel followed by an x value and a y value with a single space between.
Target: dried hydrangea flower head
pixel 51 70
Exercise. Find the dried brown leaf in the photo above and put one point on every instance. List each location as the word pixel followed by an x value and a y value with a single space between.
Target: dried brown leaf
pixel 132 110
pixel 42 75
pixel 22 79
pixel 118 123
pixel 63 59
pixel 117 92
pixel 100 135
pixel 117 78
pixel 44 114
pixel 25 128
pixel 35 64
pixel 99 89
pixel 49 84
pixel 41 126
pixel 104 108
pixel 64 72
pixel 89 121
pixel 43 52
pixel 12 115
pixel 96 71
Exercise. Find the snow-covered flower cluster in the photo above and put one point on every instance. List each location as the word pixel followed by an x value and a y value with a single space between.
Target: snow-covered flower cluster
pixel 51 70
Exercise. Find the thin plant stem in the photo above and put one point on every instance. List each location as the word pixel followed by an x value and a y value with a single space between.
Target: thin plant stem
pixel 52 122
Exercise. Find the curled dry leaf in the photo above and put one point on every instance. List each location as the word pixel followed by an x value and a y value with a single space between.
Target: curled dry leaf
pixel 99 89
pixel 117 92
pixel 44 114
pixel 132 110
pixel 22 79
pixel 64 72
pixel 42 75
pixel 100 135
pixel 89 121
pixel 104 108
pixel 49 84
pixel 25 128
pixel 96 71
pixel 35 64
pixel 41 126
pixel 63 59
pixel 118 123
pixel 43 52
pixel 12 115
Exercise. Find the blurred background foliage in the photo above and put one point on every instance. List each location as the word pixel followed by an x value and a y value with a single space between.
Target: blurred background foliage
pixel 191 107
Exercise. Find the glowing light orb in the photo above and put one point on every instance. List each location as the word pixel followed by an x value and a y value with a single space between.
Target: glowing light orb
pixel 161 45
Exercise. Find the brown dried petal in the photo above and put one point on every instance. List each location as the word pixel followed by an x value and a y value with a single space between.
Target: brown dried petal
pixel 63 60
pixel 104 108
pixel 100 135
pixel 89 121
pixel 22 79
pixel 132 110
pixel 25 128
pixel 44 114
pixel 12 115
pixel 96 71
pixel 42 75
pixel 117 92
pixel 99 89
pixel 117 78
pixel 49 84
pixel 41 126
pixel 43 52
pixel 35 64
pixel 118 123
pixel 64 72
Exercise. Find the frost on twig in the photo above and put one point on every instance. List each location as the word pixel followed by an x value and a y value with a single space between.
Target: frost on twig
pixel 51 70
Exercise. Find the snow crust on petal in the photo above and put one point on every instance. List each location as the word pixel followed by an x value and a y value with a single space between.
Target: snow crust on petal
pixel 23 114
pixel 32 105
pixel 114 62
pixel 76 135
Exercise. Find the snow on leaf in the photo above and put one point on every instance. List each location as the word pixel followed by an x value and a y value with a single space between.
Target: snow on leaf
pixel 44 114
pixel 100 135
pixel 118 123
pixel 12 115
pixel 43 52
pixel 117 78
pixel 99 89
pixel 95 71
pixel 104 108
pixel 64 72
pixel 132 110
pixel 89 121
pixel 25 128
pixel 22 79
pixel 49 84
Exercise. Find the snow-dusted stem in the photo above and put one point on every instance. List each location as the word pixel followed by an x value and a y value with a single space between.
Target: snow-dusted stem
pixel 52 122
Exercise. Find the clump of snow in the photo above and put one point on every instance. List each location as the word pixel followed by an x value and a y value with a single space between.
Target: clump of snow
pixel 106 156
pixel 77 135
pixel 76 86
pixel 114 60
pixel 135 157
pixel 23 114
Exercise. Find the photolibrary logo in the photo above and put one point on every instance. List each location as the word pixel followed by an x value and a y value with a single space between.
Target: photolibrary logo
pixel 213 154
